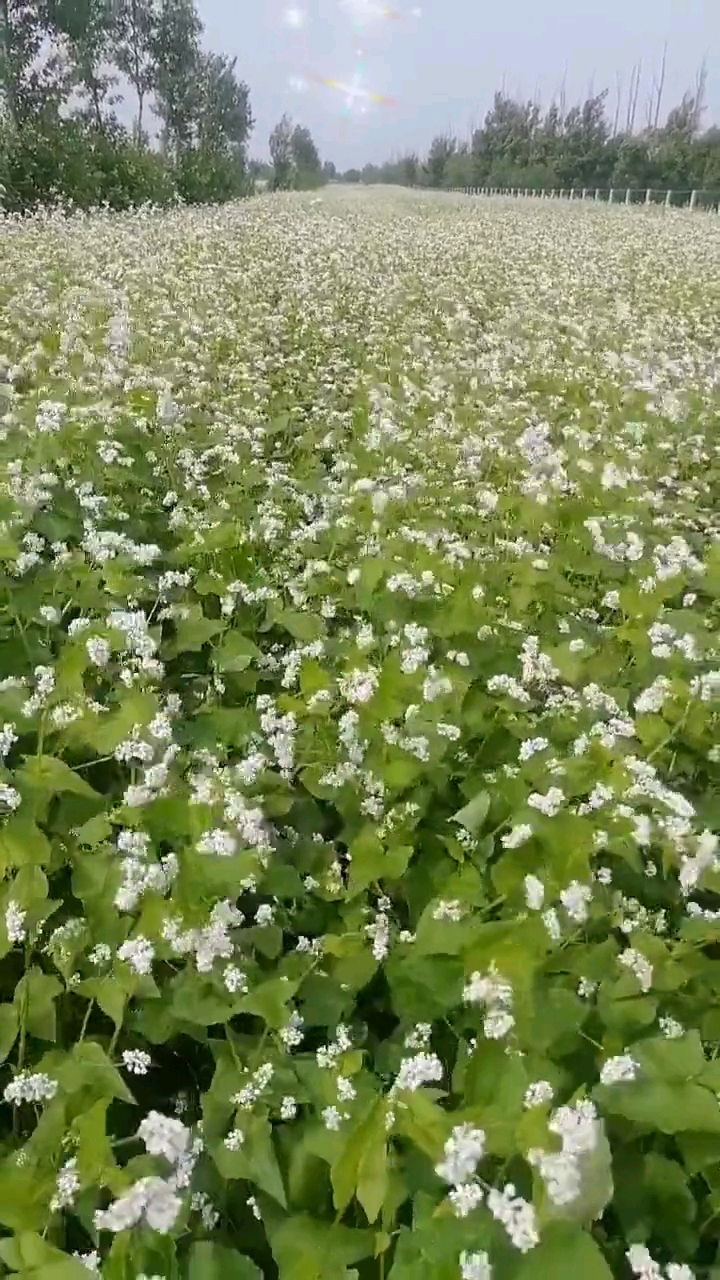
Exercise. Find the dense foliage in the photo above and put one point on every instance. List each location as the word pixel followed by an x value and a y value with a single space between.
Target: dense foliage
pixel 360 675
pixel 61 139
pixel 518 146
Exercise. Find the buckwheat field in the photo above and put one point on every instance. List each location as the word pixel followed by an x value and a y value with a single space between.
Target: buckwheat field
pixel 360 679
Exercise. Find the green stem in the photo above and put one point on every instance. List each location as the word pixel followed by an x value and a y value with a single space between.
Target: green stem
pixel 86 1019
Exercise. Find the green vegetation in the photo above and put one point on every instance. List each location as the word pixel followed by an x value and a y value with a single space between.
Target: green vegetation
pixel 60 136
pixel 359 693
pixel 518 146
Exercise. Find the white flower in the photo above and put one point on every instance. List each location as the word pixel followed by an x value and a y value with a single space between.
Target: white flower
pixel 516 836
pixel 151 1198
pixel 463 1150
pixel 27 1087
pixel 619 1069
pixel 66 1187
pixel 219 842
pixel 164 1136
pixel 475 1266
pixel 538 1094
pixel 234 979
pixel 138 953
pixel 466 1197
pixel 642 1264
pixel 332 1119
pixel 498 1023
pixel 15 922
pixel 576 1126
pixel 552 924
pixel 423 1068
pixel 516 1215
pixel 549 804
pixel 575 899
pixel 560 1172
pixel 91 1261
pixel 288 1108
pixel 637 963
pixel 359 686
pixel 534 892
pixel 234 1140
pixel 98 651
pixel 136 1061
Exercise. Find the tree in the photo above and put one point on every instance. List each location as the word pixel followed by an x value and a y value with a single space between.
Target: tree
pixel 441 148
pixel 306 160
pixel 329 171
pixel 134 35
pixel 281 154
pixel 28 88
pixel 224 121
pixel 87 28
pixel 175 49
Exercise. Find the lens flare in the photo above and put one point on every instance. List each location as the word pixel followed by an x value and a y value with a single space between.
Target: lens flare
pixel 356 96
pixel 364 12
pixel 294 17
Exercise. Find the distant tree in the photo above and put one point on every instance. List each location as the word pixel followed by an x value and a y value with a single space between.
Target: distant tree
pixel 175 50
pixel 224 120
pixel 409 167
pixel 352 175
pixel 281 154
pixel 88 29
pixel 306 159
pixel 133 47
pixel 441 148
pixel 329 171
pixel 31 86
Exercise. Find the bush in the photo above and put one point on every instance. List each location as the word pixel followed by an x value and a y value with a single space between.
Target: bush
pixel 203 177
pixel 64 160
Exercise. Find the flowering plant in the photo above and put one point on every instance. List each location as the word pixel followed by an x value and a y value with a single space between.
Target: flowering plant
pixel 359 701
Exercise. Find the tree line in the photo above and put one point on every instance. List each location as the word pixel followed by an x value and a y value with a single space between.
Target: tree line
pixel 520 146
pixel 65 131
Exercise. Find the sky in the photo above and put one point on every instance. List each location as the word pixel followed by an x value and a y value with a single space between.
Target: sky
pixel 442 67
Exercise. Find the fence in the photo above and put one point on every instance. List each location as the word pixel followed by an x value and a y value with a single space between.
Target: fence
pixel 707 200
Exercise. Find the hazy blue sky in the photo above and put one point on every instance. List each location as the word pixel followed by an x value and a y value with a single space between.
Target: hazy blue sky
pixel 443 67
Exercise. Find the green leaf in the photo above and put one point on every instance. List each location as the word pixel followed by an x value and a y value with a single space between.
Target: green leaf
pixel 307 1249
pixel 236 652
pixel 35 996
pixel 269 1001
pixel 22 843
pixel 302 626
pixel 24 1195
pixel 671 1108
pixel 362 1165
pixel 564 1253
pixel 209 1261
pixel 50 776
pixel 192 634
pixel 94 1150
pixel 35 1258
pixel 9 1025
pixel 263 1166
pixel 473 814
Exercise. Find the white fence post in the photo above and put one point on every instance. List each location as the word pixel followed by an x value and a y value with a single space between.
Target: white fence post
pixel 648 196
pixel 627 196
pixel 610 197
pixel 667 199
pixel 693 199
